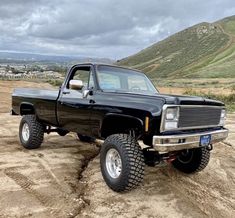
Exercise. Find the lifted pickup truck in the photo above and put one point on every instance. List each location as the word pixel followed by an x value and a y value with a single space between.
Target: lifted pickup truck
pixel 122 107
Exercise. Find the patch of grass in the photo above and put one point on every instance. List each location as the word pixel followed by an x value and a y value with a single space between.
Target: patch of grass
pixel 224 56
pixel 55 82
pixel 233 89
pixel 229 100
pixel 230 25
pixel 225 83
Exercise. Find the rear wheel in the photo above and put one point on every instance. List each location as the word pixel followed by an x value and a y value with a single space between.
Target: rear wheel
pixel 122 162
pixel 31 132
pixel 192 160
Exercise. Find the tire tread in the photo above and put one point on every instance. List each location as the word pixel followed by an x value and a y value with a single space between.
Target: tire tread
pixel 201 158
pixel 36 132
pixel 134 166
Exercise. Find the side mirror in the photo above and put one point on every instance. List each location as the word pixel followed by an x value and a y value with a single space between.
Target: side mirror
pixel 76 84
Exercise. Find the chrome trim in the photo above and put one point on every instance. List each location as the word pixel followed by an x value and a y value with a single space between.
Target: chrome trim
pixel 168 143
pixel 85 93
pixel 184 106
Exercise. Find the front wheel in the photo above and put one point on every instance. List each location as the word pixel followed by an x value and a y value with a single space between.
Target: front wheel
pixel 192 160
pixel 31 132
pixel 122 162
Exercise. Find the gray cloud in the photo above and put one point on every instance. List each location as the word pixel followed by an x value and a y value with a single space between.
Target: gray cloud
pixel 101 28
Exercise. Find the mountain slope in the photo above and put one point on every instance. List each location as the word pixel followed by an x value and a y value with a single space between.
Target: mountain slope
pixel 204 50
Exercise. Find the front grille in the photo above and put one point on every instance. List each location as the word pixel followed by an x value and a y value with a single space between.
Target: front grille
pixel 199 116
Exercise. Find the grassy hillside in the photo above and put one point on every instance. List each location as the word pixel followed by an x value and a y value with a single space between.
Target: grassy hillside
pixel 206 50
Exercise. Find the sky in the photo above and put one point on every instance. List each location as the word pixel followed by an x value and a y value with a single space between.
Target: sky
pixel 99 28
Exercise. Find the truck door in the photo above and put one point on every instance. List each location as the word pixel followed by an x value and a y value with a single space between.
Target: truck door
pixel 73 109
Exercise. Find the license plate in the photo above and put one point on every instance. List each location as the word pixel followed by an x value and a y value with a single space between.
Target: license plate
pixel 205 140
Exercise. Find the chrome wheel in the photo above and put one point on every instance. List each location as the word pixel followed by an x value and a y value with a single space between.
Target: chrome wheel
pixel 25 132
pixel 113 163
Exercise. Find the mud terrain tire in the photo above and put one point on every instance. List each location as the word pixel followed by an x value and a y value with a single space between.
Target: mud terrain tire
pixel 193 160
pixel 131 172
pixel 31 132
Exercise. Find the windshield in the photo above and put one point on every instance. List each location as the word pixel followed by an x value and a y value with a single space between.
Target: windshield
pixel 123 80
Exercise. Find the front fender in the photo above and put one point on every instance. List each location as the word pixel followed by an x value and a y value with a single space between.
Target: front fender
pixel 120 123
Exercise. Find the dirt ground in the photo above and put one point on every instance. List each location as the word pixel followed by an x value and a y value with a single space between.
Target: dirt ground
pixel 63 179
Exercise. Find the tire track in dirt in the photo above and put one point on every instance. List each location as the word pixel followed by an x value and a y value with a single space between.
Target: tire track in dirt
pixel 27 185
pixel 61 205
pixel 56 208
pixel 201 196
pixel 65 199
pixel 45 167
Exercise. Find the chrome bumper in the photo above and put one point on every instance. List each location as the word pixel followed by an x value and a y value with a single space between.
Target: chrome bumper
pixel 168 143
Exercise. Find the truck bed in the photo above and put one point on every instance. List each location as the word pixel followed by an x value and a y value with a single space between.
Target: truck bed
pixel 44 102
pixel 36 93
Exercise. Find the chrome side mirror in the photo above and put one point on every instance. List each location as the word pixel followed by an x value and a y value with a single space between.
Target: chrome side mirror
pixel 76 84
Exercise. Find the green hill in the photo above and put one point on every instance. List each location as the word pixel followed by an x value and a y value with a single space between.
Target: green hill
pixel 206 50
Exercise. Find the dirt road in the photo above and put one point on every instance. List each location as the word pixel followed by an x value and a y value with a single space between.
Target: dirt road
pixel 53 181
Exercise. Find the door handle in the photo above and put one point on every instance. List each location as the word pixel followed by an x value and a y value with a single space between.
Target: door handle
pixel 66 92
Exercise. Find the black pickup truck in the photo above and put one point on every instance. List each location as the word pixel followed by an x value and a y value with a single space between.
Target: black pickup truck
pixel 123 107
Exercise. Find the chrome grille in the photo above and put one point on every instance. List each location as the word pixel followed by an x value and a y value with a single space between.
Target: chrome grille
pixel 199 116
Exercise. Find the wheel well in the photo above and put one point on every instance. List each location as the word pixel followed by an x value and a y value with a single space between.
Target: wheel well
pixel 113 124
pixel 26 109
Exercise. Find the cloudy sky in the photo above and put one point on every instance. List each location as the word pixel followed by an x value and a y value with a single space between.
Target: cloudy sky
pixel 99 28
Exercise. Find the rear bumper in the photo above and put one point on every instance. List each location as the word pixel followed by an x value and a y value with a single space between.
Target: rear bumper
pixel 168 143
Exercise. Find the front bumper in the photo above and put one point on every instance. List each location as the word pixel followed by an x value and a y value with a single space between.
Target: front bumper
pixel 168 143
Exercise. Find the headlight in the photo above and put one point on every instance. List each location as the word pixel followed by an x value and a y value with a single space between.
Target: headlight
pixel 171 118
pixel 172 113
pixel 222 117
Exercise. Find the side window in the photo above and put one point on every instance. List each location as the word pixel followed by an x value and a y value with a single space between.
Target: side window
pixel 136 82
pixel 109 81
pixel 85 75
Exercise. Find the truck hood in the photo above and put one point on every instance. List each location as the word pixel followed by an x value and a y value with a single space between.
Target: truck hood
pixel 189 100
pixel 152 103
pixel 172 99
